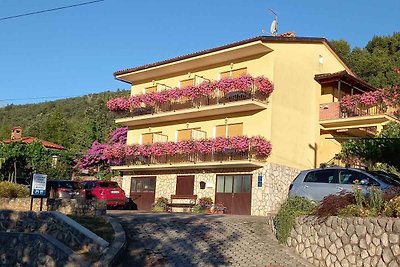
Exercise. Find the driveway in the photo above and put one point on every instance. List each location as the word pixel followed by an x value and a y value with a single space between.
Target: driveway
pixel 181 239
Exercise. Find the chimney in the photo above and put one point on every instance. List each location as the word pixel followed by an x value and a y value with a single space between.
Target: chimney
pixel 16 133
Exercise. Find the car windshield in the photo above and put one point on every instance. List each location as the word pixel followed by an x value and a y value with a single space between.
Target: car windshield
pixel 386 178
pixel 70 185
pixel 109 185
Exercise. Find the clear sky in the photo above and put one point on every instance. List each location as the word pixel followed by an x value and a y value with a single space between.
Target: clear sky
pixel 75 51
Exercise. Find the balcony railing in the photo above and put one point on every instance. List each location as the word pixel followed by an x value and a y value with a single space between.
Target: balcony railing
pixel 194 158
pixel 333 110
pixel 217 98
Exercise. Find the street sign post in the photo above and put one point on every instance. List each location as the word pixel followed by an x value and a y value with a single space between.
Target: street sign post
pixel 38 188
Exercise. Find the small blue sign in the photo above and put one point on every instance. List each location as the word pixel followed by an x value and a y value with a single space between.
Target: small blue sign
pixel 259 182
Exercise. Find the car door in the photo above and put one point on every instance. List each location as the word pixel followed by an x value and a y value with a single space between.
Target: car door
pixel 320 183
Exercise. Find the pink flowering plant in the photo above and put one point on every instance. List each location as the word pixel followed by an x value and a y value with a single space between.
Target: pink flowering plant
pixel 244 83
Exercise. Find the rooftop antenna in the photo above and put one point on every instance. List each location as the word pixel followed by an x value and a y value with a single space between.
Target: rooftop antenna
pixel 274 24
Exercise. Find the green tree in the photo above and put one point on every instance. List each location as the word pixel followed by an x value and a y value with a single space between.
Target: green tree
pixel 375 62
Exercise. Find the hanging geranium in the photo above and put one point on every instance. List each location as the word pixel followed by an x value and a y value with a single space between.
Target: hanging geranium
pixel 244 83
pixel 262 146
pixel 204 146
pixel 157 149
pixel 184 147
pixel 144 150
pixel 240 143
pixel 264 85
pixel 220 144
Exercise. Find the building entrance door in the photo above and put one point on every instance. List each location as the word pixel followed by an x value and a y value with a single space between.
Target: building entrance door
pixel 143 192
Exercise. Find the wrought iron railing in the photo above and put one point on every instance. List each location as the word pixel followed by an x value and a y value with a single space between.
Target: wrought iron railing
pixel 194 157
pixel 216 98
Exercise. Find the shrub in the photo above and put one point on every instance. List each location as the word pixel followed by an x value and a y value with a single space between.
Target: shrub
pixel 354 210
pixel 13 190
pixel 392 207
pixel 160 205
pixel 293 207
pixel 330 205
pixel 203 204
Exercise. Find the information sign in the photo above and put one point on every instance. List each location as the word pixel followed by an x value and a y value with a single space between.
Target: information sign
pixel 38 188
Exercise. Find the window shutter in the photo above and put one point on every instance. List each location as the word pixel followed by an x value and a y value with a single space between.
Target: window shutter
pixel 186 83
pixel 225 74
pixel 151 89
pixel 239 72
pixel 235 129
pixel 220 131
pixel 147 139
pixel 184 134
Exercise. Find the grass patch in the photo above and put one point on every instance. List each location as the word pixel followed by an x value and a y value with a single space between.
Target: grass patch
pixel 97 225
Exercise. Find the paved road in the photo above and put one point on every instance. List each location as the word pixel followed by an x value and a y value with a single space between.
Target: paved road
pixel 178 239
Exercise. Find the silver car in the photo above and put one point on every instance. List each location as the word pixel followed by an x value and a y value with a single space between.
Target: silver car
pixel 315 184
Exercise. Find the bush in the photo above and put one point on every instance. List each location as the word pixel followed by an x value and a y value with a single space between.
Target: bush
pixel 354 210
pixel 293 207
pixel 203 204
pixel 160 205
pixel 392 207
pixel 13 190
pixel 330 205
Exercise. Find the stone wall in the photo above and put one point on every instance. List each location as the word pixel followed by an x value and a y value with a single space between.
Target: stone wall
pixel 66 206
pixel 348 241
pixel 165 185
pixel 275 185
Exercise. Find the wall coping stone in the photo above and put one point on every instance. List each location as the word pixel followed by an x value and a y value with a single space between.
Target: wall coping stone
pixel 117 247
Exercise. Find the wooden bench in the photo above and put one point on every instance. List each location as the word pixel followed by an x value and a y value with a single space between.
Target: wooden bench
pixel 188 204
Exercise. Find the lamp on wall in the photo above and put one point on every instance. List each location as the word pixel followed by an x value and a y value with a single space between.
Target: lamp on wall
pixel 187 125
pixel 189 74
pixel 149 129
pixel 231 65
pixel 226 120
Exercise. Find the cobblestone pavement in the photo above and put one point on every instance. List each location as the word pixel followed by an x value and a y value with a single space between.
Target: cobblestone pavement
pixel 180 239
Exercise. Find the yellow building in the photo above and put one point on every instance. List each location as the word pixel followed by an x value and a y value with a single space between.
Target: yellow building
pixel 301 119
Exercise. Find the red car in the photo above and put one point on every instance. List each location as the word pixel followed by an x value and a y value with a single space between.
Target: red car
pixel 105 190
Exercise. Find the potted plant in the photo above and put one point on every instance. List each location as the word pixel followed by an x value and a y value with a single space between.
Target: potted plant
pixel 203 205
pixel 218 208
pixel 160 205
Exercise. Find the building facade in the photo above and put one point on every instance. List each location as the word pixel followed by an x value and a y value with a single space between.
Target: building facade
pixel 301 119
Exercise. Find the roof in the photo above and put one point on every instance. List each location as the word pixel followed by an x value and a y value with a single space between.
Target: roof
pixel 29 140
pixel 343 76
pixel 246 41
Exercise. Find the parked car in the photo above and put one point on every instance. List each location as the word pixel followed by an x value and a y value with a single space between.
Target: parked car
pixel 105 190
pixel 315 184
pixel 65 189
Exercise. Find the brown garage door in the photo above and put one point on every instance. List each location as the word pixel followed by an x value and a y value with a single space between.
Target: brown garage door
pixel 234 191
pixel 143 192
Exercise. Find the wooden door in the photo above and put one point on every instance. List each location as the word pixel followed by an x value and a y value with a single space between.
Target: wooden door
pixel 234 192
pixel 184 185
pixel 143 192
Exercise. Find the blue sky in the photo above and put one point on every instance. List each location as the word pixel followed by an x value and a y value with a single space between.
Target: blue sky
pixel 74 51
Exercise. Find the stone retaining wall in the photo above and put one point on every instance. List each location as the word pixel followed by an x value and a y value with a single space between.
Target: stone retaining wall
pixel 66 206
pixel 350 241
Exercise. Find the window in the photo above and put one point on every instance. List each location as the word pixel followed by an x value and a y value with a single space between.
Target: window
pixel 229 130
pixel 147 184
pixel 150 89
pixel 233 73
pixel 190 134
pixel 324 176
pixel 150 138
pixel 186 83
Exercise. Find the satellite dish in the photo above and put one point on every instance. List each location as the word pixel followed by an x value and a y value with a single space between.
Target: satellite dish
pixel 274 25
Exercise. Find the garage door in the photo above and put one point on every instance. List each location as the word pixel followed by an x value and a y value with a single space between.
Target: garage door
pixel 234 191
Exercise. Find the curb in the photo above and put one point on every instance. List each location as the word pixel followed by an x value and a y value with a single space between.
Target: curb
pixel 116 248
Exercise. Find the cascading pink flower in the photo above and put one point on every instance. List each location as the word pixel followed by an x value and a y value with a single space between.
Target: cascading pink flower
pixel 184 147
pixel 264 85
pixel 244 83
pixel 240 143
pixel 220 144
pixel 262 146
pixel 157 149
pixel 144 150
pixel 204 146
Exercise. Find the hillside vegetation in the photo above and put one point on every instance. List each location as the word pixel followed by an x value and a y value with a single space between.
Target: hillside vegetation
pixel 74 122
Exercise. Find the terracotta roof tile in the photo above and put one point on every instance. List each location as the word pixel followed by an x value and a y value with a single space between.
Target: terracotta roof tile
pixel 29 140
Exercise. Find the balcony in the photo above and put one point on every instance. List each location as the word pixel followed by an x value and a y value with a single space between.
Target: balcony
pixel 192 161
pixel 216 104
pixel 360 120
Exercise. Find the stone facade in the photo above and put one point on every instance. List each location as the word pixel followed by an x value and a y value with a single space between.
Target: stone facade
pixel 351 241
pixel 273 192
pixel 66 206
pixel 264 200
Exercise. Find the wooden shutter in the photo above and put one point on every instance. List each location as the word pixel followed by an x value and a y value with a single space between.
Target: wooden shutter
pixel 239 72
pixel 184 185
pixel 186 83
pixel 235 129
pixel 151 89
pixel 147 139
pixel 220 131
pixel 225 74
pixel 184 134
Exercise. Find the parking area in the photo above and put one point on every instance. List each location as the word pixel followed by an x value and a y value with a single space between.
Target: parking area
pixel 180 239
